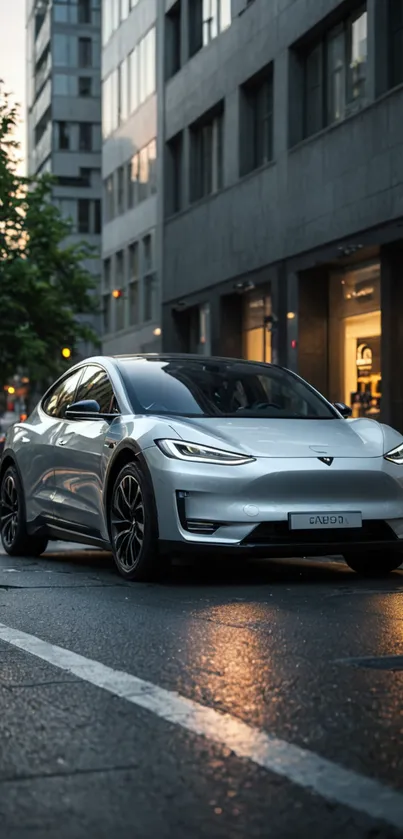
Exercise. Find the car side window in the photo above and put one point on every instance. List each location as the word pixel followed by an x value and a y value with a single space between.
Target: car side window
pixel 97 385
pixel 62 395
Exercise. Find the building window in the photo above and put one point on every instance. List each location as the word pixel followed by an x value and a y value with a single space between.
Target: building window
pixel 134 180
pixel 64 50
pixel 210 20
pixel 85 86
pixel 146 66
pixel 124 9
pixel 109 199
pixel 120 190
pixel 119 284
pixel 355 369
pixel 173 44
pixel 133 264
pixel 84 11
pixel 133 81
pixel 256 338
pixel 110 104
pixel 207 156
pixel 174 174
pixel 84 215
pixel 63 136
pixel 396 42
pixel 149 297
pixel 133 255
pixel 85 136
pixel 64 85
pixel 335 71
pixel 123 91
pixel 152 167
pixel 149 281
pixel 107 274
pixel 207 19
pixel 256 140
pixel 107 23
pixel 143 175
pixel 147 254
pixel 84 52
pixel 107 313
pixel 97 217
pixel 134 303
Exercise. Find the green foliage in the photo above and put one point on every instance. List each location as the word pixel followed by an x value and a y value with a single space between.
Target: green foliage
pixel 44 281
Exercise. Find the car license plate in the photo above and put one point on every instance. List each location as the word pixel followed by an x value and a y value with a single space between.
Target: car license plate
pixel 324 521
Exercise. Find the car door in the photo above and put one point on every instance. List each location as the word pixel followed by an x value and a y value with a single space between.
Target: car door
pixel 34 443
pixel 82 453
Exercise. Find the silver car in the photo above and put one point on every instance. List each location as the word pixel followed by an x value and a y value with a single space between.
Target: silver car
pixel 152 455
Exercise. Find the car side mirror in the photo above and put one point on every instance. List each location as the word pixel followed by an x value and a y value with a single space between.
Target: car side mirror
pixel 87 408
pixel 343 409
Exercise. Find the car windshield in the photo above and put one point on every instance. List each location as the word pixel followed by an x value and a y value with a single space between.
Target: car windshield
pixel 211 388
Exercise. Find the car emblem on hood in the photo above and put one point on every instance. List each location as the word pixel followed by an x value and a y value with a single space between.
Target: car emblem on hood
pixel 327 460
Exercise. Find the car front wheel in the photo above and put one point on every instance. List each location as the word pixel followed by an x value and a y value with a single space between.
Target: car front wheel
pixel 14 536
pixel 374 564
pixel 133 526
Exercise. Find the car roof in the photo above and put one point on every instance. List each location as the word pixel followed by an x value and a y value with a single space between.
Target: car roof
pixel 166 356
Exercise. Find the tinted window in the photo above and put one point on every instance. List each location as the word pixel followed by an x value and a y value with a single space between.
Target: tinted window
pixel 96 384
pixel 62 395
pixel 213 388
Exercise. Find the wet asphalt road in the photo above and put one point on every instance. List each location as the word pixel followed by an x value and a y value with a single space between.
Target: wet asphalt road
pixel 276 645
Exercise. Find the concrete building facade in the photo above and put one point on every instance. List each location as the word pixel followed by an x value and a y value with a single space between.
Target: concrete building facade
pixel 282 201
pixel 64 110
pixel 131 226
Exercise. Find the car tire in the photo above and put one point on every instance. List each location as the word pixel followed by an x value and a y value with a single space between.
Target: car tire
pixel 13 524
pixel 374 564
pixel 134 527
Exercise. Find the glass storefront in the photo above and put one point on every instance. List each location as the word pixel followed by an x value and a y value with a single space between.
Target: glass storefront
pixel 256 329
pixel 355 339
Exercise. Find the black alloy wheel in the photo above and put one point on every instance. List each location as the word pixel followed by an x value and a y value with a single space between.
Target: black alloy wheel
pixel 133 526
pixel 9 510
pixel 13 528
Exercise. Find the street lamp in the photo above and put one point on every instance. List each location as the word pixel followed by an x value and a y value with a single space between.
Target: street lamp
pixel 66 352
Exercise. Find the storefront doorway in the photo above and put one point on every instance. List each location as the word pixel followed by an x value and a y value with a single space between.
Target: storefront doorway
pixel 256 329
pixel 355 339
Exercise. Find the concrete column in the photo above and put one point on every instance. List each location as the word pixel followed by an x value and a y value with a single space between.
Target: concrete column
pixel 312 326
pixel 231 138
pixel 279 341
pixel 185 31
pixel 372 39
pixel 186 165
pixel 230 327
pixel 392 335
pixel 378 25
pixel 161 158
pixel 291 326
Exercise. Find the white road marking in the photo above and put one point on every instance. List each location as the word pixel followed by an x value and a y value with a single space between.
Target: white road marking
pixel 300 766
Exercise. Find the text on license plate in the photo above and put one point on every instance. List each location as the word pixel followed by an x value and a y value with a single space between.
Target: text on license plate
pixel 324 521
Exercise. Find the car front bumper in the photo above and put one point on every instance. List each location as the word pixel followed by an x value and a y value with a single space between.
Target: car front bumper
pixel 247 507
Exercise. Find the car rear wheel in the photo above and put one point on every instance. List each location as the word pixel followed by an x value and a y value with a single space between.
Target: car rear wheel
pixel 14 536
pixel 374 564
pixel 133 526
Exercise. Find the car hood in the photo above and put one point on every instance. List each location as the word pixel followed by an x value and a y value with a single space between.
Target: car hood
pixel 290 437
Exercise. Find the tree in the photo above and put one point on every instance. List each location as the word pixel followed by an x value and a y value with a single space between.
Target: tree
pixel 45 288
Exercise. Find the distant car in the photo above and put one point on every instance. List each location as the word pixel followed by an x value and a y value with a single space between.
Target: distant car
pixel 152 455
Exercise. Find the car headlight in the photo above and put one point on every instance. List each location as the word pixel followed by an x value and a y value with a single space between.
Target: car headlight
pixel 395 455
pixel 196 453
